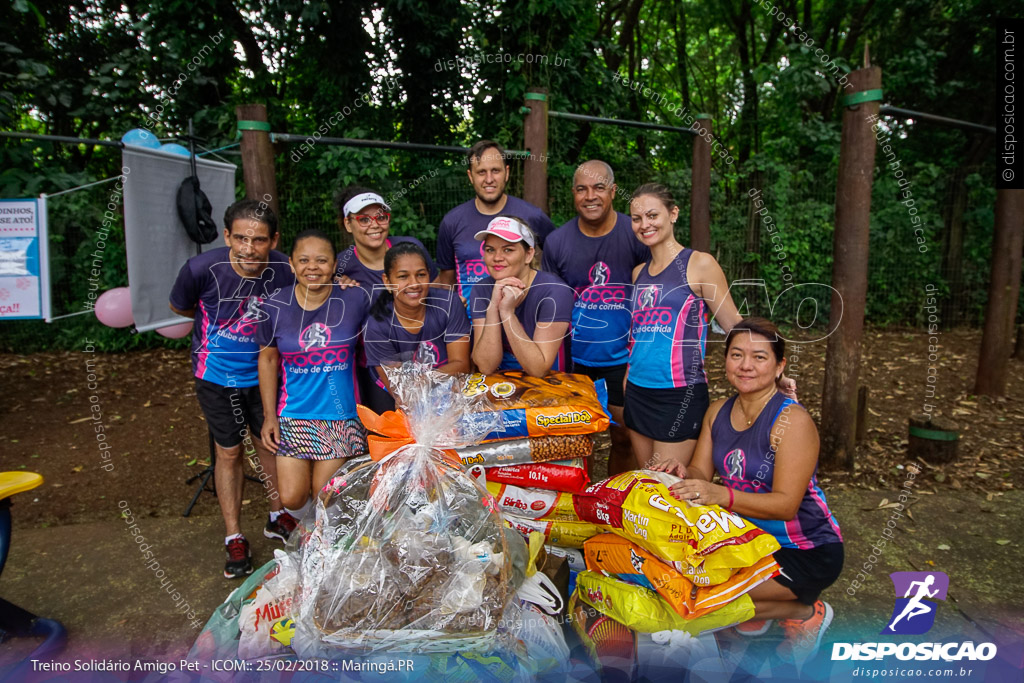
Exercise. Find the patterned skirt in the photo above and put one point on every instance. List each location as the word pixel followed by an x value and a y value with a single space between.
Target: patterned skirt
pixel 322 439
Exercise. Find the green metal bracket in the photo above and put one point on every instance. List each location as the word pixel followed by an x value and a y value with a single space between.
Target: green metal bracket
pixel 251 125
pixel 536 96
pixel 933 434
pixel 861 97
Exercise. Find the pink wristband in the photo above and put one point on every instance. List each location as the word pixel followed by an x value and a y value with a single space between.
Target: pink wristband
pixel 730 500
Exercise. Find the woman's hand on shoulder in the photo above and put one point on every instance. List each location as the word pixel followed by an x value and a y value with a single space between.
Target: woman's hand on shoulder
pixel 787 385
pixel 344 281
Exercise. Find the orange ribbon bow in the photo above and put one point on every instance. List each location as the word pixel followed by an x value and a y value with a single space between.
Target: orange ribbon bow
pixel 393 430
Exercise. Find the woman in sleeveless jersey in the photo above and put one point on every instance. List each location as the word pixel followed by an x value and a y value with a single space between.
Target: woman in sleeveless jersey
pixel 674 295
pixel 764 448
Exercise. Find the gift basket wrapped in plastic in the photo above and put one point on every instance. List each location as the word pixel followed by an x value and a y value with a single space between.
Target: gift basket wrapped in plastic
pixel 407 552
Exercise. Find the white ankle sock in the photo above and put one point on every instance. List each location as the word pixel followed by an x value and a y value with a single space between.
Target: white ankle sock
pixel 228 539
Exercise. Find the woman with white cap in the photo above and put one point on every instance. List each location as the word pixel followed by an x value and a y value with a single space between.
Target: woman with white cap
pixel 366 216
pixel 520 315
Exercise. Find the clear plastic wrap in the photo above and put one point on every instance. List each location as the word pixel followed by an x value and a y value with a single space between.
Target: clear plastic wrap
pixel 409 553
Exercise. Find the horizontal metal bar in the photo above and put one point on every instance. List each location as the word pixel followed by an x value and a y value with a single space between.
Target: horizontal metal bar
pixel 886 110
pixel 382 144
pixel 62 138
pixel 80 187
pixel 69 315
pixel 619 122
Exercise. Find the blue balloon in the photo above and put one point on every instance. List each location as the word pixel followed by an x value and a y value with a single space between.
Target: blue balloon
pixel 140 137
pixel 174 148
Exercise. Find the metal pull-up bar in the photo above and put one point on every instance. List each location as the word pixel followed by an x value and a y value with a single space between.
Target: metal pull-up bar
pixel 886 110
pixel 619 122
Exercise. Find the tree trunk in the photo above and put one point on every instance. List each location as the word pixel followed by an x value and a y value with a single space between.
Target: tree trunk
pixel 953 249
pixel 849 274
pixel 1003 290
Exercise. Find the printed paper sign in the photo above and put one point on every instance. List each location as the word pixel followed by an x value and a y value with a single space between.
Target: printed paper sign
pixel 20 262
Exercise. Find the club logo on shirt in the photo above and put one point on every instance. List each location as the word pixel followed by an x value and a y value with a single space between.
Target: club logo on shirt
pixel 648 297
pixel 427 353
pixel 250 314
pixel 600 290
pixel 316 336
pixel 735 463
pixel 647 315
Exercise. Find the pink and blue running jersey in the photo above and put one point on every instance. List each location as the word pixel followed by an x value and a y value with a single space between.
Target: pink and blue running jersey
pixel 317 348
pixel 228 310
pixel 669 329
pixel 599 270
pixel 746 462
pixel 459 250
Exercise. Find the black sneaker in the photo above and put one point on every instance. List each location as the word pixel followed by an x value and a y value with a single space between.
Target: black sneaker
pixel 281 528
pixel 239 559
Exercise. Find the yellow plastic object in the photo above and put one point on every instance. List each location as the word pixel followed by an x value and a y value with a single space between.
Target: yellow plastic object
pixel 18 482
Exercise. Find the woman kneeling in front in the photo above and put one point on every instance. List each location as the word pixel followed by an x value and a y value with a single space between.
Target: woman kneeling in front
pixel 764 448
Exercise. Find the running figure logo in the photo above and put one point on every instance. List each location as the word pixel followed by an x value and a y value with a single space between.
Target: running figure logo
pixel 914 613
pixel 426 352
pixel 648 297
pixel 315 336
pixel 734 462
pixel 599 274
pixel 251 315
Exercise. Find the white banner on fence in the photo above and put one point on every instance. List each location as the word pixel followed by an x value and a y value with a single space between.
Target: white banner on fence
pixel 24 274
pixel 155 238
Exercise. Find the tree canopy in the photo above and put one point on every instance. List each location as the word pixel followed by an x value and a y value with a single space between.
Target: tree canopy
pixel 451 72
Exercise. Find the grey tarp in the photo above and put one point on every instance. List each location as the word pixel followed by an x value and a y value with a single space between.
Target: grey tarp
pixel 155 238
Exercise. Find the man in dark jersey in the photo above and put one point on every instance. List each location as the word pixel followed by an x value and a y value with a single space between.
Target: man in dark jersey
pixel 595 254
pixel 222 289
pixel 459 254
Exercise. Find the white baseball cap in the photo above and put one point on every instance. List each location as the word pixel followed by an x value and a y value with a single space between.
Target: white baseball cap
pixel 508 229
pixel 361 201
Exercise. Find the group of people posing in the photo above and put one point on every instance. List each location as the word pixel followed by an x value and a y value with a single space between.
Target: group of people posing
pixel 284 347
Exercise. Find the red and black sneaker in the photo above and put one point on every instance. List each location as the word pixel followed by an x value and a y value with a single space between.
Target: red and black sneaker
pixel 239 561
pixel 281 528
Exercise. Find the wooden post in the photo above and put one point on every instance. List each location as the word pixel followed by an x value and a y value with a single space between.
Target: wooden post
pixel 932 439
pixel 849 273
pixel 1003 290
pixel 258 156
pixel 1018 350
pixel 535 134
pixel 700 189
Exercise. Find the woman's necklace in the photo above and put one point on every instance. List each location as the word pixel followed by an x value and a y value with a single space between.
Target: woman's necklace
pixel 309 301
pixel 750 421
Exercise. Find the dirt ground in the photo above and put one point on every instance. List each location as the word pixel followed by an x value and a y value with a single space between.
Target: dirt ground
pixel 72 560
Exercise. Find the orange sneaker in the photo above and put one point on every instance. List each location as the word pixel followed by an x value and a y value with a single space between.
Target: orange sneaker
pixel 803 636
pixel 754 627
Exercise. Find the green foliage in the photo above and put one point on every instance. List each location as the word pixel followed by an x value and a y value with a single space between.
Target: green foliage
pixel 100 68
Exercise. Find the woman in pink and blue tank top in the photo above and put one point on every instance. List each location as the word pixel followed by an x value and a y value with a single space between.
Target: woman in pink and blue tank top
pixel 764 448
pixel 674 295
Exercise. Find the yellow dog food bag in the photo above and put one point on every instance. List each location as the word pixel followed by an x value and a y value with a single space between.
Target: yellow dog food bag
pixel 616 556
pixel 558 533
pixel 643 610
pixel 639 507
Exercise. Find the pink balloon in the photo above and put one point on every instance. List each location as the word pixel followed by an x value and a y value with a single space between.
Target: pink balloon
pixel 114 307
pixel 175 331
